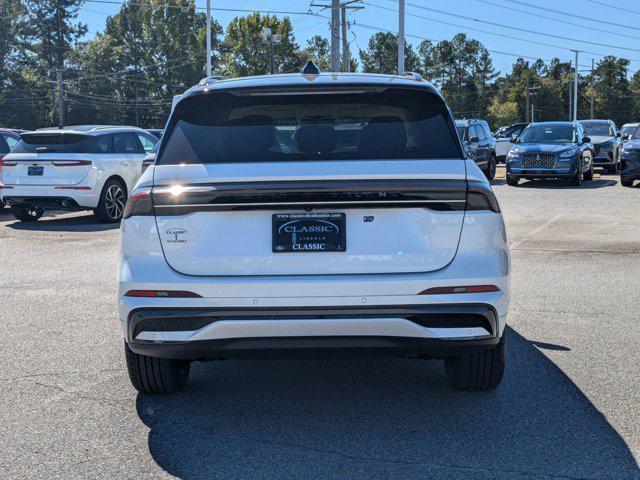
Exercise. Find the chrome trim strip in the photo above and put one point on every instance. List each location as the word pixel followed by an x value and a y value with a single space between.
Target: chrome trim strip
pixel 272 204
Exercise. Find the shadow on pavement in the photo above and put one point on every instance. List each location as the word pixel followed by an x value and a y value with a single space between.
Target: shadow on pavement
pixel 65 223
pixel 559 184
pixel 380 418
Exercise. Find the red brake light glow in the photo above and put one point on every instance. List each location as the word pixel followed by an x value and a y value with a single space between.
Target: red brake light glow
pixel 70 163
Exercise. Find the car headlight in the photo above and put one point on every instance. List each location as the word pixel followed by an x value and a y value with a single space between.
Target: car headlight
pixel 512 155
pixel 568 153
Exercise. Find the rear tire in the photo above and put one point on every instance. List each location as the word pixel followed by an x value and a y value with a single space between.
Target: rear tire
pixel 490 171
pixel 112 201
pixel 154 375
pixel 477 371
pixel 512 181
pixel 27 214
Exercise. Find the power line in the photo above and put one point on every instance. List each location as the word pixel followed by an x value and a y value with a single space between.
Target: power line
pixel 520 29
pixel 574 15
pixel 590 27
pixel 615 6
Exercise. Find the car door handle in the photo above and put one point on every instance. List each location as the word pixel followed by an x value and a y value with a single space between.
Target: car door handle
pixel 124 164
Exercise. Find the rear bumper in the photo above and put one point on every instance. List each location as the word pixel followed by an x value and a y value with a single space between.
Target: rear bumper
pixel 211 333
pixel 48 197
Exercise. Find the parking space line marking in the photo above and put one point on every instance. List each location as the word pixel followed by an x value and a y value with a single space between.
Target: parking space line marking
pixel 534 232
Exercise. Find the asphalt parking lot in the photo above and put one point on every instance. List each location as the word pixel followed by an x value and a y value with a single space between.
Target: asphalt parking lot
pixel 569 406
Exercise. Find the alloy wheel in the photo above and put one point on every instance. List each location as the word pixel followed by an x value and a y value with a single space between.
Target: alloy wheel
pixel 114 201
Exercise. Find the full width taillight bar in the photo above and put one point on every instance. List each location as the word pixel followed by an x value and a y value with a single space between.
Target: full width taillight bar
pixel 439 195
pixel 70 163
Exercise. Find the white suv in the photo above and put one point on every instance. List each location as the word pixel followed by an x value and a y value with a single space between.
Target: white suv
pixel 75 168
pixel 312 214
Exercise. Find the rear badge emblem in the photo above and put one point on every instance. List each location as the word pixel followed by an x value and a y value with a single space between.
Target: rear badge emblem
pixel 368 218
pixel 176 235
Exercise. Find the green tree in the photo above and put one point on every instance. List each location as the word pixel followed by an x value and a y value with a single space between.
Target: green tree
pixel 612 89
pixel 319 50
pixel 246 53
pixel 381 55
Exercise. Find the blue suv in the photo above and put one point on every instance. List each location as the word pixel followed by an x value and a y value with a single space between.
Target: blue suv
pixel 479 144
pixel 551 150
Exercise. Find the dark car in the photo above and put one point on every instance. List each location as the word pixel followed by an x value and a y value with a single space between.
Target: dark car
pixel 606 141
pixel 627 130
pixel 479 143
pixel 551 150
pixel 630 160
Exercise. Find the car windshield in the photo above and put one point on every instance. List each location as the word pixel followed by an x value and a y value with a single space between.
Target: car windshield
pixel 636 134
pixel 283 126
pixel 506 132
pixel 602 129
pixel 554 134
pixel 628 130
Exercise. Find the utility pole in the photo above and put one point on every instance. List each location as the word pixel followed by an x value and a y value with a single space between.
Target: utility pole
pixel 345 44
pixel 570 95
pixel 575 90
pixel 272 38
pixel 591 88
pixel 335 35
pixel 208 38
pixel 60 100
pixel 400 37
pixel 527 94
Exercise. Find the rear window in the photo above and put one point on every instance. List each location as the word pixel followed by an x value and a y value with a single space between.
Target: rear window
pixel 51 143
pixel 259 127
pixel 602 129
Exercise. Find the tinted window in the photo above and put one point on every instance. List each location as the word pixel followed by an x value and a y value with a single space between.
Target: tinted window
pixel 147 141
pixel 628 130
pixel 4 147
pixel 602 129
pixel 392 124
pixel 548 134
pixel 474 131
pixel 486 131
pixel 51 142
pixel 462 131
pixel 124 143
pixel 100 144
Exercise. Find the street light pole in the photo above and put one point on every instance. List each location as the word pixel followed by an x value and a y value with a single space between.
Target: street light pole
pixel 575 90
pixel 400 37
pixel 208 38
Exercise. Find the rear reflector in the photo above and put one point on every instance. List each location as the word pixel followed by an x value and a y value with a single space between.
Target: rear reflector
pixel 468 289
pixel 162 294
pixel 4 186
pixel 72 188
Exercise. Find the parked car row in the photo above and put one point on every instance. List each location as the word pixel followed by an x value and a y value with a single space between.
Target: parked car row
pixel 561 150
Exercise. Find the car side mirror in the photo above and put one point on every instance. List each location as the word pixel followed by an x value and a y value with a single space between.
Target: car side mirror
pixel 513 139
pixel 474 140
pixel 618 134
pixel 586 139
pixel 625 136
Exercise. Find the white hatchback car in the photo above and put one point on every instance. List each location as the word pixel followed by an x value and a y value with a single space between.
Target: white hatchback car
pixel 75 168
pixel 313 214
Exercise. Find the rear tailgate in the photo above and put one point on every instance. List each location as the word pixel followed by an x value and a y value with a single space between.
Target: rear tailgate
pixel 398 218
pixel 49 159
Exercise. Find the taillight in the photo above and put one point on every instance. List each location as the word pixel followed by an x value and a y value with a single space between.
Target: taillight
pixel 467 289
pixel 139 203
pixel 162 294
pixel 70 163
pixel 71 188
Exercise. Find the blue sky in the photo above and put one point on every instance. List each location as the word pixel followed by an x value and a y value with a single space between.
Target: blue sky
pixel 486 15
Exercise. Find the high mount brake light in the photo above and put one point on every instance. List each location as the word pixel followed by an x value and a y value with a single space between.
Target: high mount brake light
pixel 162 294
pixel 139 203
pixel 467 289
